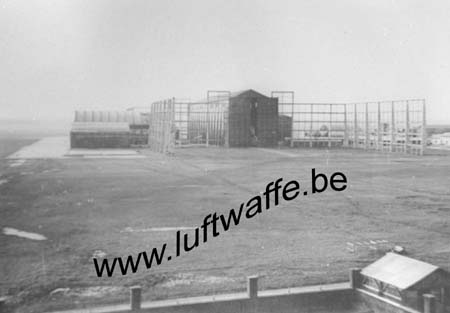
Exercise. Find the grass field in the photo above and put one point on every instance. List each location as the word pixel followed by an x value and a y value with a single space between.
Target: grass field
pixel 87 206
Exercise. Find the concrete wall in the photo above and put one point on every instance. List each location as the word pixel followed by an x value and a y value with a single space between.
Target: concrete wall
pixel 332 298
pixel 335 300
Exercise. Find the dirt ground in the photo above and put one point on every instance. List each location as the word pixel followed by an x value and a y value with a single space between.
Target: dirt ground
pixel 102 206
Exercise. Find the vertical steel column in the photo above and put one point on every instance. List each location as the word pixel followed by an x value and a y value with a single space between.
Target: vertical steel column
pixel 226 123
pixel 345 126
pixel 311 128
pixel 171 126
pixel 163 126
pixel 292 123
pixel 424 129
pixel 406 146
pixel 355 127
pixel 207 123
pixel 379 135
pixel 331 122
pixel 189 124
pixel 367 127
pixel 393 128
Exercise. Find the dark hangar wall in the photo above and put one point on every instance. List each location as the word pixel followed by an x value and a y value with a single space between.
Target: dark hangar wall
pixel 253 120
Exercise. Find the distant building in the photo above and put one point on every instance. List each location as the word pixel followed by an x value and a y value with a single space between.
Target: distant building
pixel 440 139
pixel 109 129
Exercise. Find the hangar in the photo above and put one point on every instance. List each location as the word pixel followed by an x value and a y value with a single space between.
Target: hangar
pixel 246 118
pixel 109 129
pixel 249 118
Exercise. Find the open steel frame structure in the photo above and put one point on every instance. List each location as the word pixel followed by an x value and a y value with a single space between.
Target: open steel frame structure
pixel 391 126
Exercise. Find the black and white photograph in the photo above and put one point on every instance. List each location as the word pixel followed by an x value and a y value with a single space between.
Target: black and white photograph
pixel 224 156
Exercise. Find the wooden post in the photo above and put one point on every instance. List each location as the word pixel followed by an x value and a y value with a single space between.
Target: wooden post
pixel 406 146
pixel 429 303
pixel 252 286
pixel 135 298
pixel 355 127
pixel 393 128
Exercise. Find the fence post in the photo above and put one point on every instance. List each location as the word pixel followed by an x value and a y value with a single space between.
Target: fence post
pixel 429 303
pixel 135 298
pixel 252 286
pixel 2 304
pixel 354 277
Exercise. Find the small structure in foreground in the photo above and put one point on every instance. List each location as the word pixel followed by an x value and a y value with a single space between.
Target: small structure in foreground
pixel 406 281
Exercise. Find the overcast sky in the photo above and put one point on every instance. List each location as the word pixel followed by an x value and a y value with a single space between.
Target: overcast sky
pixel 56 56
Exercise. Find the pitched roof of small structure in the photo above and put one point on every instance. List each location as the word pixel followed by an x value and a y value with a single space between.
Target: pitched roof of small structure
pixel 398 270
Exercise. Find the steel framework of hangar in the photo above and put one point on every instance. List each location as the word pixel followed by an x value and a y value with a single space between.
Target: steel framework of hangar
pixel 249 118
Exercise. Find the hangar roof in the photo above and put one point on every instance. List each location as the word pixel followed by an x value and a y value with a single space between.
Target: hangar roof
pixel 97 127
pixel 130 117
pixel 252 92
pixel 398 270
pixel 247 92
